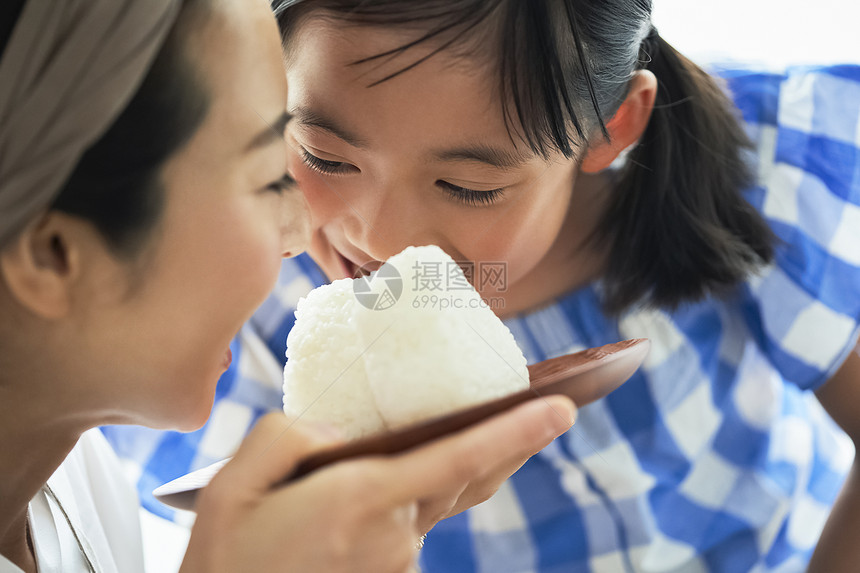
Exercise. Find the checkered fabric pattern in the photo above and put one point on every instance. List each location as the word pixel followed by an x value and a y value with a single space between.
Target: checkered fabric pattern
pixel 716 455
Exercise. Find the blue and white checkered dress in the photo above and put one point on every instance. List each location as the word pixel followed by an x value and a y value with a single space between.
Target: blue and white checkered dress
pixel 716 455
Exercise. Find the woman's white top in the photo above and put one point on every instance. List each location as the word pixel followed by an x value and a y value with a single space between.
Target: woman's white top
pixel 86 518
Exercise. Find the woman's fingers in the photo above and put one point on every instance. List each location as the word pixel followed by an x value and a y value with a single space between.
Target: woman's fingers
pixel 476 492
pixel 435 508
pixel 275 445
pixel 451 463
pixel 486 450
pixel 344 507
pixel 360 511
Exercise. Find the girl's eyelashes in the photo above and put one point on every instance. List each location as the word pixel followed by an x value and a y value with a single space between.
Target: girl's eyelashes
pixel 462 194
pixel 282 184
pixel 325 166
pixel 471 196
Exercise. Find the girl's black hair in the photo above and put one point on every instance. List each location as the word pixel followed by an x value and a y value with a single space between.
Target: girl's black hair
pixel 678 227
pixel 116 186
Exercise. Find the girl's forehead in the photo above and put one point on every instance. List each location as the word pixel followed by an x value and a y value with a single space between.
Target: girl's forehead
pixel 419 100
pixel 378 52
pixel 420 107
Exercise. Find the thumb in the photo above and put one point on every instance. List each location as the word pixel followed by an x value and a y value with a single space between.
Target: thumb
pixel 274 447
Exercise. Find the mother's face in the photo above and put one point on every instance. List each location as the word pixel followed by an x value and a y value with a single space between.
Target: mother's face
pixel 158 353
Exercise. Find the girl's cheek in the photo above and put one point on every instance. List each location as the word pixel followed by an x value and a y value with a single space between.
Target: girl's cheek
pixel 322 199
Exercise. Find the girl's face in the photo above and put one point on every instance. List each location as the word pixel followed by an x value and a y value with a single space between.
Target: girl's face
pixel 424 158
pixel 217 250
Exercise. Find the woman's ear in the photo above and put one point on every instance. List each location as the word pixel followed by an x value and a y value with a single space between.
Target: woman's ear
pixel 40 266
pixel 627 126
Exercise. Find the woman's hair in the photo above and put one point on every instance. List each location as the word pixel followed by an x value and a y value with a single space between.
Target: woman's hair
pixel 678 227
pixel 116 185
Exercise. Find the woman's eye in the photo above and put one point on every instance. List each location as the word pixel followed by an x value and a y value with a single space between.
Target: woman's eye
pixel 323 165
pixel 471 196
pixel 284 183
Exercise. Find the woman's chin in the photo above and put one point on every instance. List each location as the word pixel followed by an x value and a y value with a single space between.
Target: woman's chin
pixel 198 414
pixel 183 400
pixel 185 413
pixel 190 425
pixel 188 420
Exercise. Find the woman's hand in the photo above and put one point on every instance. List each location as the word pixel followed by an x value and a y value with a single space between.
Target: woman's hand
pixel 487 454
pixel 359 515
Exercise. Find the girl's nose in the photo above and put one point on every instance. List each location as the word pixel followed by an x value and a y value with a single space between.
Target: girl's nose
pixel 386 221
pixel 295 223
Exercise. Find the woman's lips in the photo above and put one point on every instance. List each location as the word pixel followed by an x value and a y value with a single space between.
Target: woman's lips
pixel 228 359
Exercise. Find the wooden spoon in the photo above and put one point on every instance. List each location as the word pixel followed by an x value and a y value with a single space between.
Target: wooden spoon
pixel 584 376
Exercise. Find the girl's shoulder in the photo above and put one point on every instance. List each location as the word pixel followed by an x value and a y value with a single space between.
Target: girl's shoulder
pixel 805 126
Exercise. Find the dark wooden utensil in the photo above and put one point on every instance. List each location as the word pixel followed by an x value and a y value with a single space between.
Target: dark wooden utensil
pixel 584 376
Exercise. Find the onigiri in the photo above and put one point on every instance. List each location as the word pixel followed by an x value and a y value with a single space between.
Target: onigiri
pixel 411 341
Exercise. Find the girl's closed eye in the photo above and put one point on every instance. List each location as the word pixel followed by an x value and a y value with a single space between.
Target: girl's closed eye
pixel 325 166
pixel 471 196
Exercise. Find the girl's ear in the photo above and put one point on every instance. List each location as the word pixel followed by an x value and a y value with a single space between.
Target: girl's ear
pixel 41 265
pixel 626 126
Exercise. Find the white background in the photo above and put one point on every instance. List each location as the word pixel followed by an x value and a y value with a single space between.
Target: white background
pixel 770 32
pixel 773 32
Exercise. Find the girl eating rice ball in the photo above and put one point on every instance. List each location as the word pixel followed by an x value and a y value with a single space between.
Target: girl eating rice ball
pixel 144 212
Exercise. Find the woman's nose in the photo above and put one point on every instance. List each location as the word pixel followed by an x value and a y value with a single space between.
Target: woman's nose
pixel 295 223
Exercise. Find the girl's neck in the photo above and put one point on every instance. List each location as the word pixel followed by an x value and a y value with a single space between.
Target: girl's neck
pixel 573 260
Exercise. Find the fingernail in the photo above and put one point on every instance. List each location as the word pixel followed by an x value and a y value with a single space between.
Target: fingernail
pixel 563 415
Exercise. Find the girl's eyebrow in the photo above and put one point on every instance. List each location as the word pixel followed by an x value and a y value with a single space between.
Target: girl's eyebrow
pixel 480 153
pixel 313 118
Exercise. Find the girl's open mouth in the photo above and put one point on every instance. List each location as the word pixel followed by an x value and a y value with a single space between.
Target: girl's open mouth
pixel 354 270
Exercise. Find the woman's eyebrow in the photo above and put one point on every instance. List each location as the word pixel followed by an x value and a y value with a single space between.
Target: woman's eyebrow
pixel 313 118
pixel 480 153
pixel 274 131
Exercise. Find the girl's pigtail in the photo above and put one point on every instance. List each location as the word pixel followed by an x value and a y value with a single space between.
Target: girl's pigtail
pixel 678 226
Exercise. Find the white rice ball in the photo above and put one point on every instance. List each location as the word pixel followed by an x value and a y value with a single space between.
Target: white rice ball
pixel 366 358
pixel 325 379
